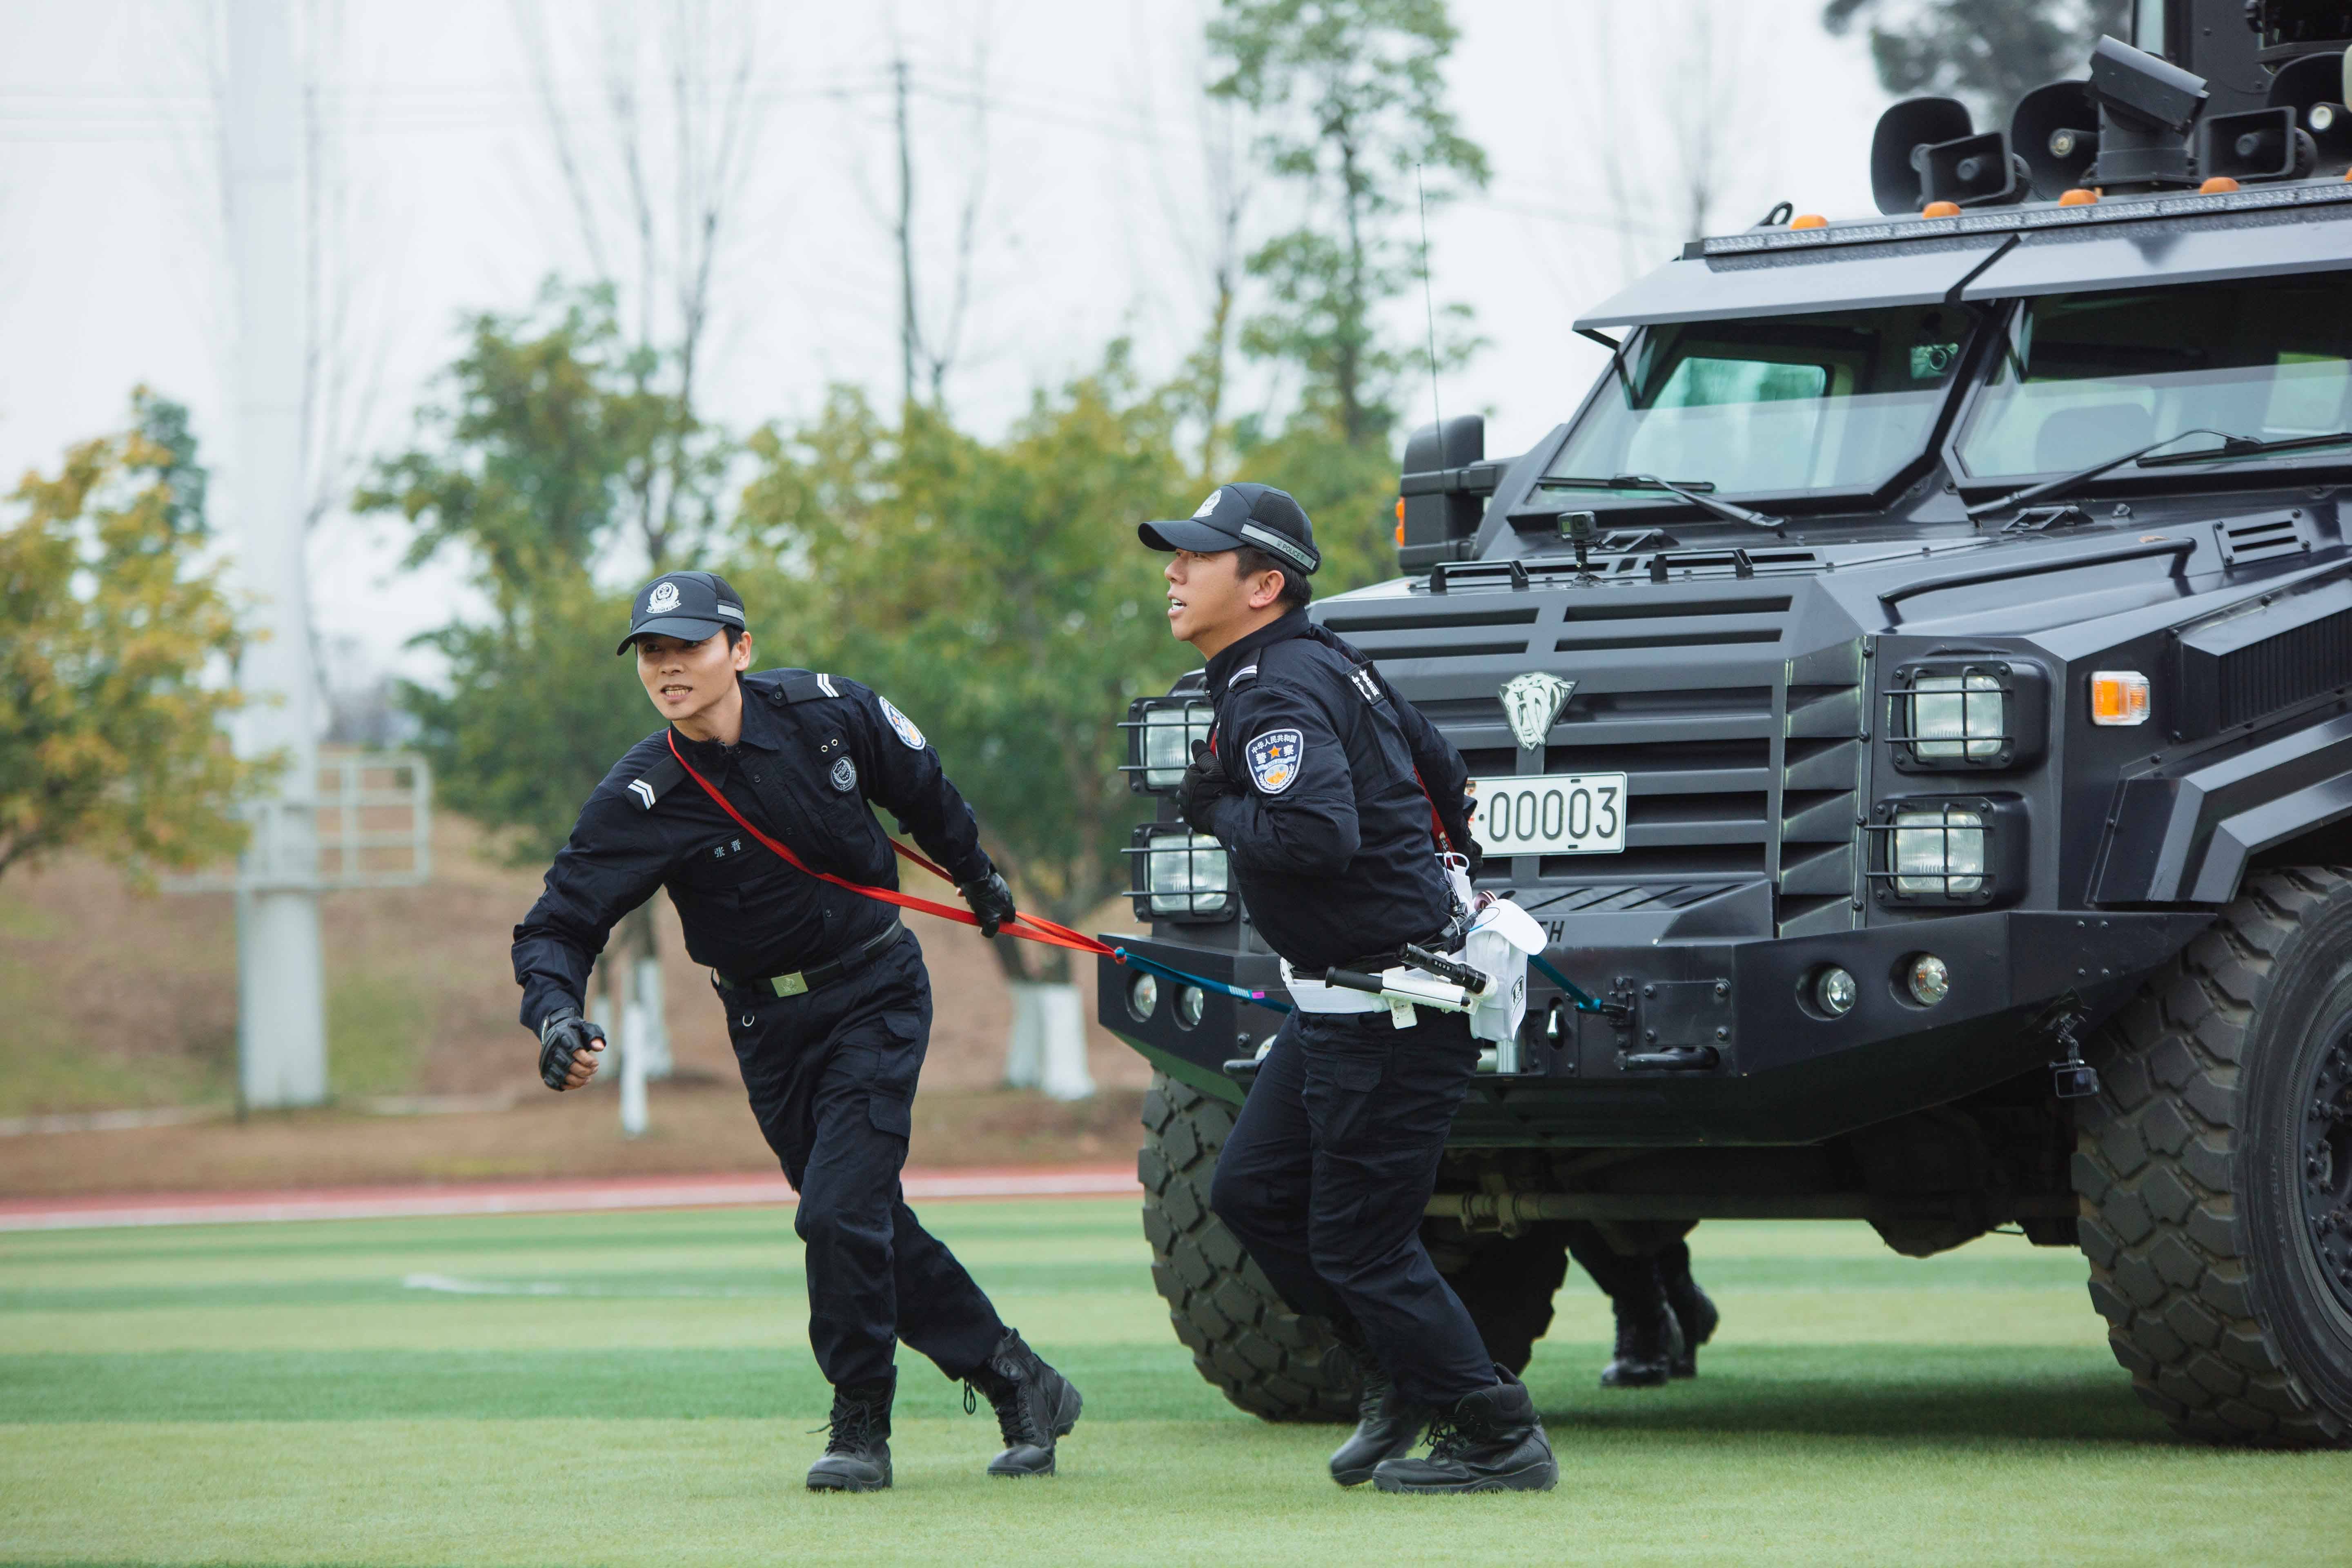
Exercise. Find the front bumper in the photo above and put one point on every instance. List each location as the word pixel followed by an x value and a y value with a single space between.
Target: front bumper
pixel 1774 1070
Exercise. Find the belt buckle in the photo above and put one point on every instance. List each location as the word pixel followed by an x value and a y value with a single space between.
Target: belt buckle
pixel 793 984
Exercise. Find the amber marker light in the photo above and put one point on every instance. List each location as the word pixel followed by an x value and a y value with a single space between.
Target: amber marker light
pixel 2219 186
pixel 1400 523
pixel 2119 696
pixel 1809 220
pixel 1940 209
pixel 2079 197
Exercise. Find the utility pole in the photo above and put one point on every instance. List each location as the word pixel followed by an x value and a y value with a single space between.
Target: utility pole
pixel 281 1012
pixel 905 243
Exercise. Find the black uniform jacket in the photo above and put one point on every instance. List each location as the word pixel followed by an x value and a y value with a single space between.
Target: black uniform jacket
pixel 1329 830
pixel 815 749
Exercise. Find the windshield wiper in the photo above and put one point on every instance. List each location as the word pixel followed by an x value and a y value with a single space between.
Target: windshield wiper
pixel 1695 492
pixel 2084 476
pixel 2241 447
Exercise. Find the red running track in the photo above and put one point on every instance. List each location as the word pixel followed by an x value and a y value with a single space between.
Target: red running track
pixel 576 1196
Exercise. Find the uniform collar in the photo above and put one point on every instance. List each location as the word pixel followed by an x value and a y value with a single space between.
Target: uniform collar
pixel 1230 660
pixel 759 733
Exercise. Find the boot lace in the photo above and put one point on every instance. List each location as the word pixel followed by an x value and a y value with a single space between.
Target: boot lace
pixel 851 1425
pixel 1448 1440
pixel 1016 1423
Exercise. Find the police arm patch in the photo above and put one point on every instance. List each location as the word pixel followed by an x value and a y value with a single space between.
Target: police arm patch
pixel 904 726
pixel 1274 759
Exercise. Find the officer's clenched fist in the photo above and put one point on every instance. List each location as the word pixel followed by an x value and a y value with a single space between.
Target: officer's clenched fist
pixel 568 1046
pixel 1202 784
pixel 990 899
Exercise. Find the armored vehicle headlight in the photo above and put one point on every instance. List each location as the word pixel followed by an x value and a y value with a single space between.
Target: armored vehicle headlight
pixel 1180 875
pixel 1926 979
pixel 1190 1003
pixel 1969 850
pixel 1961 717
pixel 1161 732
pixel 1833 991
pixel 2119 696
pixel 1142 997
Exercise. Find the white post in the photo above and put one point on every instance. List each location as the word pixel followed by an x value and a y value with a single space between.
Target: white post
pixel 645 985
pixel 1062 1038
pixel 281 1002
pixel 632 1069
pixel 1024 1055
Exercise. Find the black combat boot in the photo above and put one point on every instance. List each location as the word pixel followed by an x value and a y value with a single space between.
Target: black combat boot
pixel 856 1455
pixel 1035 1404
pixel 1387 1427
pixel 1649 1343
pixel 1490 1442
pixel 1694 1314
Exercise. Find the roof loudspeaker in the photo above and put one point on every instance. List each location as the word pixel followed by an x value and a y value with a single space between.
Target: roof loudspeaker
pixel 2258 145
pixel 1973 172
pixel 1899 148
pixel 2313 88
pixel 2057 131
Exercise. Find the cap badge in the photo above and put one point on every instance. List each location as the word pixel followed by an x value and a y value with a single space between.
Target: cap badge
pixel 1532 702
pixel 663 599
pixel 1210 505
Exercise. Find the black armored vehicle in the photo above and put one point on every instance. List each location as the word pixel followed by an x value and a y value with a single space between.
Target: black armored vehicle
pixel 1914 692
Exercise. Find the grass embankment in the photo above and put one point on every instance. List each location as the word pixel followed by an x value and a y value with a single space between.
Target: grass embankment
pixel 635 1388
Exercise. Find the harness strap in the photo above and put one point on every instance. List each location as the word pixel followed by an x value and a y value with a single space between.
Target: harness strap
pixel 1029 927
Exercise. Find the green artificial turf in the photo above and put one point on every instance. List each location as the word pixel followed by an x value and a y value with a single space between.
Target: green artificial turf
pixel 636 1389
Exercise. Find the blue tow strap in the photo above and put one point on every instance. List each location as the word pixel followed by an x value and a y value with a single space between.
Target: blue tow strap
pixel 1568 988
pixel 1239 994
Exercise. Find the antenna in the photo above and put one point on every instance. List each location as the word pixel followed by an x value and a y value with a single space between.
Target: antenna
pixel 1429 305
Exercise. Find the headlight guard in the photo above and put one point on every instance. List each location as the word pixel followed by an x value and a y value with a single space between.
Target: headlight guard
pixel 1947 851
pixel 1180 875
pixel 1965 715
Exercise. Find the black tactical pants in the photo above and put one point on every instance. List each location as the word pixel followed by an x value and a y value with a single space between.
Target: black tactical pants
pixel 831 1080
pixel 1327 1172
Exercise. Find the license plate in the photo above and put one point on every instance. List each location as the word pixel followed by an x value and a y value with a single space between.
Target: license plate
pixel 1551 813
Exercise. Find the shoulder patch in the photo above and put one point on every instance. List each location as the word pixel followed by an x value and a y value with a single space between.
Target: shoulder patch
pixel 1274 759
pixel 649 786
pixel 904 726
pixel 1367 688
pixel 1241 677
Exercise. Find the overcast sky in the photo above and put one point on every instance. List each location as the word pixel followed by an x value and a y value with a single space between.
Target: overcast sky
pixel 1078 122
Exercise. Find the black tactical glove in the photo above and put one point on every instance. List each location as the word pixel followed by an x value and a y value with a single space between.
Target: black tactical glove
pixel 991 900
pixel 1202 784
pixel 561 1038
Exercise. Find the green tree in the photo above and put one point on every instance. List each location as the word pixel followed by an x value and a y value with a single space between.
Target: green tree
pixel 1351 99
pixel 1989 52
pixel 114 637
pixel 530 469
pixel 996 592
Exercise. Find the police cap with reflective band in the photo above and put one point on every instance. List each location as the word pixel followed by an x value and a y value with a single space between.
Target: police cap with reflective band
pixel 1235 515
pixel 688 606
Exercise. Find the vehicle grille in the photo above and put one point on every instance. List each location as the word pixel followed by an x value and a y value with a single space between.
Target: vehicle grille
pixel 1821 785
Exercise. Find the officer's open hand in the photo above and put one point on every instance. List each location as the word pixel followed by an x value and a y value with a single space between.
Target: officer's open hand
pixel 568 1046
pixel 991 900
pixel 1202 784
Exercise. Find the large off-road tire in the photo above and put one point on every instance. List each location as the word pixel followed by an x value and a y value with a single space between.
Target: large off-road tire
pixel 2215 1173
pixel 1268 1359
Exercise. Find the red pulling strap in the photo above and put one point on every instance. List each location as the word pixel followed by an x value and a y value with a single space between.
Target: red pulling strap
pixel 1030 928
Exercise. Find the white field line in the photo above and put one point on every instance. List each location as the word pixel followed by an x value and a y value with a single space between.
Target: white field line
pixel 426 1203
pixel 452 1284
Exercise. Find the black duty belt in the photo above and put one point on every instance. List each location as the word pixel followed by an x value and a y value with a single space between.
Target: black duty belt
pixel 817 975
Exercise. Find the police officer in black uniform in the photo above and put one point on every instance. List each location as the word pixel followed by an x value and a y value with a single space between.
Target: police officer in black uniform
pixel 828 1004
pixel 1313 780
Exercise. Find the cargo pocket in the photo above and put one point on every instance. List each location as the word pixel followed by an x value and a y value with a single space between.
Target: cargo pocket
pixel 891 1115
pixel 1341 1106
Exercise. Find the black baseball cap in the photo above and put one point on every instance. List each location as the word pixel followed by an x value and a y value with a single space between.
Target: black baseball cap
pixel 687 604
pixel 1234 515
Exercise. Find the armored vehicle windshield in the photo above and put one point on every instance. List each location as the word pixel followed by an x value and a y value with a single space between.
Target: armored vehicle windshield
pixel 1813 403
pixel 2085 377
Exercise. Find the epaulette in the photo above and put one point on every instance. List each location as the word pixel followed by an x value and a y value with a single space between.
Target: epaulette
pixel 801 686
pixel 655 781
pixel 1241 677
